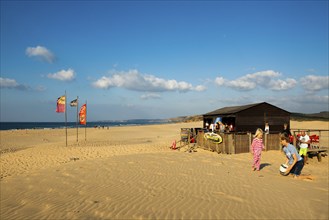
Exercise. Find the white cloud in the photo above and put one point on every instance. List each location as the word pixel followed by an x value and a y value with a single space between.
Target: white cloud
pixel 315 83
pixel 250 81
pixel 242 84
pixel 63 75
pixel 40 52
pixel 150 96
pixel 133 80
pixel 283 84
pixel 200 88
pixel 220 81
pixel 263 79
pixel 8 83
pixel 12 84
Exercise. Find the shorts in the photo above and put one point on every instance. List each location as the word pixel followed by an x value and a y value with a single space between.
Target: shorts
pixel 303 151
pixel 297 169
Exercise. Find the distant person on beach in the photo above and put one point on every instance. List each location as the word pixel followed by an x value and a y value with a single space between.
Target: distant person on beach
pixel 286 130
pixel 294 161
pixel 256 149
pixel 267 128
pixel 304 140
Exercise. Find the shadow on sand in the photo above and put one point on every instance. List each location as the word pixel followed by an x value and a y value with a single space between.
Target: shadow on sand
pixel 263 165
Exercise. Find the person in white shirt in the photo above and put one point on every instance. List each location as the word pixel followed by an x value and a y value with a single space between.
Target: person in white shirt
pixel 304 141
pixel 267 128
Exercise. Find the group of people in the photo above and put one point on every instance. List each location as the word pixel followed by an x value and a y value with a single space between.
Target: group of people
pixel 219 127
pixel 294 160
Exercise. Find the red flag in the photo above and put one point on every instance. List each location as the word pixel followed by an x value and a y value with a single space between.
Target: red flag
pixel 83 114
pixel 61 104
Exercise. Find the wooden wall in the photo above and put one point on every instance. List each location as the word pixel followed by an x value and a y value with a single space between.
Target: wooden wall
pixel 235 143
pixel 255 117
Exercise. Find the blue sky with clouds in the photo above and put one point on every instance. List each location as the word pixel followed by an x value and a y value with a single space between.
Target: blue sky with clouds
pixel 161 59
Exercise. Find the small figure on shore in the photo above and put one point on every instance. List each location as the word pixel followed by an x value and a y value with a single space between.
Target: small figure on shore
pixel 256 149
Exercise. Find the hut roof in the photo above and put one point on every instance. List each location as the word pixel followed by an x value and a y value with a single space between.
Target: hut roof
pixel 235 109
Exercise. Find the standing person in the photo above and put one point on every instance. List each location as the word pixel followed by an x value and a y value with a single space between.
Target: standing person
pixel 207 126
pixel 286 130
pixel 267 128
pixel 304 142
pixel 212 127
pixel 256 149
pixel 222 127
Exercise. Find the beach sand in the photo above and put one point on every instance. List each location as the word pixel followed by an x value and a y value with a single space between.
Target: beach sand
pixel 131 173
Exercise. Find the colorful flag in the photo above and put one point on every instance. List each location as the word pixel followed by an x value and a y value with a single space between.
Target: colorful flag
pixel 74 103
pixel 83 114
pixel 61 104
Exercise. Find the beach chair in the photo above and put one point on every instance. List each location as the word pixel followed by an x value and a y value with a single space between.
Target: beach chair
pixel 192 146
pixel 315 140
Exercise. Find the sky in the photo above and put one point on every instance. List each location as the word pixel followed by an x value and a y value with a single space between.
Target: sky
pixel 161 59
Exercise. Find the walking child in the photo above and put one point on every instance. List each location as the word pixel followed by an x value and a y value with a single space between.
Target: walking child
pixel 256 149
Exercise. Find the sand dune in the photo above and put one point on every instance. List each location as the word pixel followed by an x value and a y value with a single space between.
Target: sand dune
pixel 130 173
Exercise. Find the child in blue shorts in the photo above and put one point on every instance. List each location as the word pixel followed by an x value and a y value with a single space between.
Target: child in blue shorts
pixel 294 161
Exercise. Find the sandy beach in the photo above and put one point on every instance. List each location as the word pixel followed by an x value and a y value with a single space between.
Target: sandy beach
pixel 131 173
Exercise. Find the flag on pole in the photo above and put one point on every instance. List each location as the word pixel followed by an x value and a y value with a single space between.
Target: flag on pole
pixel 61 104
pixel 74 103
pixel 82 114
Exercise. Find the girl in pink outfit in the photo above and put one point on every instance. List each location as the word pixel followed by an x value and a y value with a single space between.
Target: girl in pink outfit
pixel 256 148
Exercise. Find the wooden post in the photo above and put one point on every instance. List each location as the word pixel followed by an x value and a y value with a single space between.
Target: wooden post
pixel 231 143
pixel 266 142
pixel 250 140
pixel 65 118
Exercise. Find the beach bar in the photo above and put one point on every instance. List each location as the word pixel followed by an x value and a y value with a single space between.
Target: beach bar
pixel 244 120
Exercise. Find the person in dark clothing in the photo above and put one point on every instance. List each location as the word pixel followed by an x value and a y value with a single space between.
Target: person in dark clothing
pixel 286 129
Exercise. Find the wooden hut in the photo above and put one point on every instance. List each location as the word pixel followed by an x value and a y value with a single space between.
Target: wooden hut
pixel 247 118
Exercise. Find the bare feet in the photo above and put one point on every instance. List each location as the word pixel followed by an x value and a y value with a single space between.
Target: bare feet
pixel 304 177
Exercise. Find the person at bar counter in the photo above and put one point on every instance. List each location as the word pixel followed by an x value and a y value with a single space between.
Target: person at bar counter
pixel 267 128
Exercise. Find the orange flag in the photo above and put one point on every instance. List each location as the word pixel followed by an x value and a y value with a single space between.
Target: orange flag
pixel 83 114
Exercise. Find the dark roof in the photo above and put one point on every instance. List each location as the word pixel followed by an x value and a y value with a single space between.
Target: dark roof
pixel 235 109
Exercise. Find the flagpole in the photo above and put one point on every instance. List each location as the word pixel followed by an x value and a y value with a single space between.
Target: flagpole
pixel 77 119
pixel 86 124
pixel 66 117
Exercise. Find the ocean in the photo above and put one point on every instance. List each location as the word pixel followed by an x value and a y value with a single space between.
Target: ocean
pixel 53 125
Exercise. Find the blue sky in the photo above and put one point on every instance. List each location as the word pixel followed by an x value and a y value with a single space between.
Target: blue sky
pixel 161 59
